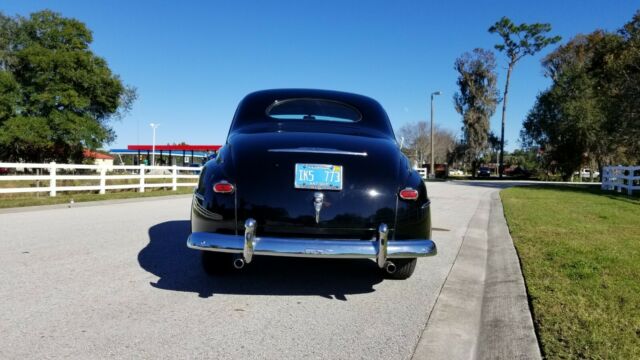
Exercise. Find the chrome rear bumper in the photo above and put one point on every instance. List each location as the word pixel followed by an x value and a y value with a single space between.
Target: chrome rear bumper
pixel 249 245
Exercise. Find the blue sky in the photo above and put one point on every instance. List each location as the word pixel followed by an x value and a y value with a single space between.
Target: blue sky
pixel 192 62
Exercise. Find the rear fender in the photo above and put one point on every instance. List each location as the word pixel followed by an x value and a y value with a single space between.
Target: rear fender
pixel 413 217
pixel 213 212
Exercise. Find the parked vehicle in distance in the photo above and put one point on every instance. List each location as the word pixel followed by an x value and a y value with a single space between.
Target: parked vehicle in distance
pixel 517 172
pixel 456 173
pixel 585 173
pixel 311 173
pixel 484 172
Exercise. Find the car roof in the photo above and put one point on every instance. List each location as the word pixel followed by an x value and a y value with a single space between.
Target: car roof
pixel 252 110
pixel 312 93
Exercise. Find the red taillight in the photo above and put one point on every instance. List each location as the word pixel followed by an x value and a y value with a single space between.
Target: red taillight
pixel 223 187
pixel 408 194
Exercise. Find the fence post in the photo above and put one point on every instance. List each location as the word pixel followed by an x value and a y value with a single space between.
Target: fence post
pixel 141 178
pixel 52 178
pixel 175 178
pixel 619 178
pixel 103 179
pixel 608 178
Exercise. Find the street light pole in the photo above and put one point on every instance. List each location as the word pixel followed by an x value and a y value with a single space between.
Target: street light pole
pixel 153 145
pixel 432 167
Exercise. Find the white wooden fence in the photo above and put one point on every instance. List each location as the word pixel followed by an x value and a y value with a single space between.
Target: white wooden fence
pixel 101 173
pixel 621 177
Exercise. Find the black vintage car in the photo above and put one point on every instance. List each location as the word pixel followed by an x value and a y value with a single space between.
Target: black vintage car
pixel 311 173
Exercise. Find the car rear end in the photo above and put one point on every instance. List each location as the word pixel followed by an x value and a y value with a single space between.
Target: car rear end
pixel 312 188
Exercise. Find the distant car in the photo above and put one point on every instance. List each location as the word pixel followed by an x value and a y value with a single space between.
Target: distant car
pixel 484 172
pixel 311 173
pixel 456 173
pixel 586 173
pixel 4 171
pixel 517 172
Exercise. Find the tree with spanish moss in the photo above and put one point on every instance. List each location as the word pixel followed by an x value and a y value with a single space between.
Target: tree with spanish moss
pixel 518 41
pixel 476 100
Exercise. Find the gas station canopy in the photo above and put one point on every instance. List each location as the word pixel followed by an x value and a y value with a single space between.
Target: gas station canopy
pixel 174 147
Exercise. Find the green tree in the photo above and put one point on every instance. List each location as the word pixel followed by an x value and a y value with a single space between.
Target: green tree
pixel 589 115
pixel 518 41
pixel 623 68
pixel 494 146
pixel 555 124
pixel 526 159
pixel 58 97
pixel 476 100
pixel 8 85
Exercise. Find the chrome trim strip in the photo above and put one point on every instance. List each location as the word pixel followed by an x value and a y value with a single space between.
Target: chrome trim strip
pixel 206 213
pixel 312 248
pixel 319 151
pixel 381 257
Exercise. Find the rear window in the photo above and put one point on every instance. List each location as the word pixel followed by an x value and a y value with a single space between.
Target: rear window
pixel 313 109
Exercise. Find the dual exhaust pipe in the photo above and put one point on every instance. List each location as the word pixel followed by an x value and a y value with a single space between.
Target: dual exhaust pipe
pixel 390 267
pixel 238 262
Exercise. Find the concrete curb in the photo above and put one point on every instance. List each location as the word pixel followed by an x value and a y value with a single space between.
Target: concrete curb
pixel 507 327
pixel 482 311
pixel 90 203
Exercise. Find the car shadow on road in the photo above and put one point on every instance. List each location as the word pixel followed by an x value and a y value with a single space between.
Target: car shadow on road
pixel 178 268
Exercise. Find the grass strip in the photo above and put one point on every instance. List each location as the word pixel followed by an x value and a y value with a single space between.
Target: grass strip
pixel 580 254
pixel 20 200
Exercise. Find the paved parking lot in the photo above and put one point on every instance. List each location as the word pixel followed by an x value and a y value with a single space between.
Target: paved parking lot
pixel 116 280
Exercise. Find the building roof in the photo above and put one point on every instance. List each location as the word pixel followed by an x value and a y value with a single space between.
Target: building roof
pixel 95 155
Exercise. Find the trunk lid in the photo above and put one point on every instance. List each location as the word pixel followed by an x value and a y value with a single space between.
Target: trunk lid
pixel 265 171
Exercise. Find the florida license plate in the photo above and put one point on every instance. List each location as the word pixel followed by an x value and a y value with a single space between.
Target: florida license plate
pixel 318 177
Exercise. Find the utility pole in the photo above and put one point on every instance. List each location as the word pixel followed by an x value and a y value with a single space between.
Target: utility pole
pixel 153 145
pixel 432 173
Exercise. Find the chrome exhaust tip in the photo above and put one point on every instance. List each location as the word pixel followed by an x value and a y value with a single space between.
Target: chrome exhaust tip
pixel 238 263
pixel 390 267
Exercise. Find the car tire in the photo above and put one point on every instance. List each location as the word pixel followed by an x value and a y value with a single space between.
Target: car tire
pixel 216 263
pixel 404 269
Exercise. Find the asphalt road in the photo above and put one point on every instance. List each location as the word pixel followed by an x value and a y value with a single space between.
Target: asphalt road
pixel 117 281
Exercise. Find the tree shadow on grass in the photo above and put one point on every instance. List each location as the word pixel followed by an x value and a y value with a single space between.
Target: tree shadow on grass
pixel 179 269
pixel 589 189
pixel 484 183
pixel 582 188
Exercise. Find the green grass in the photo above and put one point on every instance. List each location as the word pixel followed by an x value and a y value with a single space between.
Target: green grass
pixel 31 199
pixel 580 254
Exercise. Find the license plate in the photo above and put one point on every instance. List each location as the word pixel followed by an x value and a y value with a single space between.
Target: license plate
pixel 318 177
